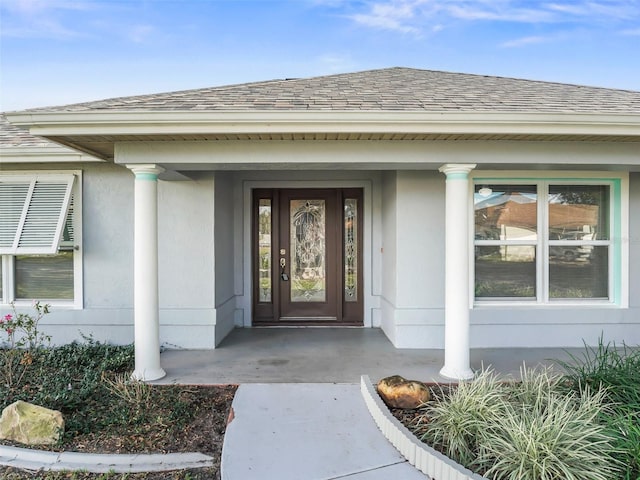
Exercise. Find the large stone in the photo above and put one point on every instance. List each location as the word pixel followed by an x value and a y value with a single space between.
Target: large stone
pixel 398 392
pixel 30 424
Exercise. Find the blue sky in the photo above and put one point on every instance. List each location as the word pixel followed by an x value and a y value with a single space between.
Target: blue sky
pixel 55 52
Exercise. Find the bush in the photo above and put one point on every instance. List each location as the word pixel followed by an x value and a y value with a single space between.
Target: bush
pixel 453 424
pixel 617 370
pixel 559 437
pixel 528 430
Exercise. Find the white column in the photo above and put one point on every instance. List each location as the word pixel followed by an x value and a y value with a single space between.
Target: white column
pixel 147 325
pixel 456 330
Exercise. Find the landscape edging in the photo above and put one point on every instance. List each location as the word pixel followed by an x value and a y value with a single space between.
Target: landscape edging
pixel 426 459
pixel 42 460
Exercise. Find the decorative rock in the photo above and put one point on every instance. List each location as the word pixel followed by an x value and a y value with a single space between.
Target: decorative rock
pixel 398 392
pixel 30 424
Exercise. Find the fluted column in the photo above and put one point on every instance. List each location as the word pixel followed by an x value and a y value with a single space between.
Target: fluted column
pixel 146 309
pixel 456 335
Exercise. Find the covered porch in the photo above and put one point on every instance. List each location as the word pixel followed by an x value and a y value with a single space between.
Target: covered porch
pixel 330 355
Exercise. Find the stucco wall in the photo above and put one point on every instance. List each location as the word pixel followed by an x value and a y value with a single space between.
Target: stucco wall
pixel 224 254
pixel 413 258
pixel 204 237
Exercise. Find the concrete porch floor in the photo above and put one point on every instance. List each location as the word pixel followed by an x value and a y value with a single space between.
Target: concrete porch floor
pixel 329 355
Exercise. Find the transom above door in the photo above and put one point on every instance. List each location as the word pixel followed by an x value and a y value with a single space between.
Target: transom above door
pixel 307 257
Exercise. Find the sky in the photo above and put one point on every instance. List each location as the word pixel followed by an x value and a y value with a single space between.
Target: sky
pixel 57 52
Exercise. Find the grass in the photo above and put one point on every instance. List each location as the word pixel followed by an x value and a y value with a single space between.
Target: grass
pixel 583 425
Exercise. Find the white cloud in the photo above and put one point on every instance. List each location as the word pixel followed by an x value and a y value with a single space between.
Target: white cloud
pixel 631 32
pixel 140 33
pixel 41 18
pixel 416 16
pixel 393 15
pixel 520 42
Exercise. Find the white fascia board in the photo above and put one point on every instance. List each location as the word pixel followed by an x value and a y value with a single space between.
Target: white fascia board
pixel 231 122
pixel 44 155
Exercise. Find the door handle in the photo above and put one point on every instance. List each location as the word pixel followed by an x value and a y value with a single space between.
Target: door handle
pixel 283 276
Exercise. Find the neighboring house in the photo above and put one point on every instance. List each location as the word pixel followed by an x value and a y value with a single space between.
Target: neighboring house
pixel 449 210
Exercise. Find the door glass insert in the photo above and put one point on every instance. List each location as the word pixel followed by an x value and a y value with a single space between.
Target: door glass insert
pixel 264 250
pixel 351 250
pixel 308 250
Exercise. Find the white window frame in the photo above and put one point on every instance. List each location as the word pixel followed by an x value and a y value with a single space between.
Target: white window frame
pixel 618 243
pixel 7 260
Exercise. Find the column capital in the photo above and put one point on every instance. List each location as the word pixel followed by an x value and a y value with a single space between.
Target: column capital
pixel 145 171
pixel 457 170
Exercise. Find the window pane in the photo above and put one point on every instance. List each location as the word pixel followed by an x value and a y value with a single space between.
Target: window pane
pixel 504 212
pixel 351 250
pixel 264 247
pixel 44 277
pixel 578 212
pixel 308 250
pixel 506 271
pixel 579 272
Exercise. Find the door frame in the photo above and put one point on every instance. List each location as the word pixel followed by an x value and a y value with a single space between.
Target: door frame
pixel 336 310
pixel 371 240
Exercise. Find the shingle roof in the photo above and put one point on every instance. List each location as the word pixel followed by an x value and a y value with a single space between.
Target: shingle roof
pixel 12 136
pixel 391 89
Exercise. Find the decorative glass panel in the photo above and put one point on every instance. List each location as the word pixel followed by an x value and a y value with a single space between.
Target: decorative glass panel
pixel 264 250
pixel 505 212
pixel 579 271
pixel 44 277
pixel 351 250
pixel 578 212
pixel 307 250
pixel 505 271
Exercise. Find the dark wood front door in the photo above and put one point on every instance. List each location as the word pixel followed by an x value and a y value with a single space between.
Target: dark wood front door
pixel 307 256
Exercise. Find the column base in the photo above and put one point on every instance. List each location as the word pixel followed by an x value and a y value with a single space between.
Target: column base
pixel 148 375
pixel 456 373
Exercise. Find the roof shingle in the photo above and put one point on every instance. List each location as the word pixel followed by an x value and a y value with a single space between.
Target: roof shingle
pixel 391 89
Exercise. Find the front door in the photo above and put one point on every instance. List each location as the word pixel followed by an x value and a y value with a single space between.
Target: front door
pixel 307 256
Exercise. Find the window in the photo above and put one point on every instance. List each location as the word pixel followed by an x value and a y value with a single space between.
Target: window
pixel 546 241
pixel 39 238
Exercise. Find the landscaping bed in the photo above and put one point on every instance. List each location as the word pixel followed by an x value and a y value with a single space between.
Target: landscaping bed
pixel 582 425
pixel 106 412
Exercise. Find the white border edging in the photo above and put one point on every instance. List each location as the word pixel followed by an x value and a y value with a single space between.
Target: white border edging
pixel 429 461
pixel 43 460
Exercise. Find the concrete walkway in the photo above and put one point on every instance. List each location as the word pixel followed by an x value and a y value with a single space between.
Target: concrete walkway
pixel 307 431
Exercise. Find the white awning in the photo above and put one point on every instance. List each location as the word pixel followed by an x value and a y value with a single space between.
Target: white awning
pixel 33 212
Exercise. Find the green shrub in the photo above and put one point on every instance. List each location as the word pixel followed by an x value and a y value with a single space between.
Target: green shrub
pixel 453 423
pixel 617 370
pixel 528 430
pixel 557 438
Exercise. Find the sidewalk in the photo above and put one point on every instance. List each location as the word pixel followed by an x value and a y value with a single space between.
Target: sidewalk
pixel 307 431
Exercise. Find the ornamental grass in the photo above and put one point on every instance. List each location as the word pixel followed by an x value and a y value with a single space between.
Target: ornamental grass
pixel 540 428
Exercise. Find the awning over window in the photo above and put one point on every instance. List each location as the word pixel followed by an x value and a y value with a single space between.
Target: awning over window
pixel 33 212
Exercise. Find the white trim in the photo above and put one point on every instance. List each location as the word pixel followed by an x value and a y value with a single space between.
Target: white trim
pixel 121 122
pixel 246 300
pixel 54 153
pixel 563 177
